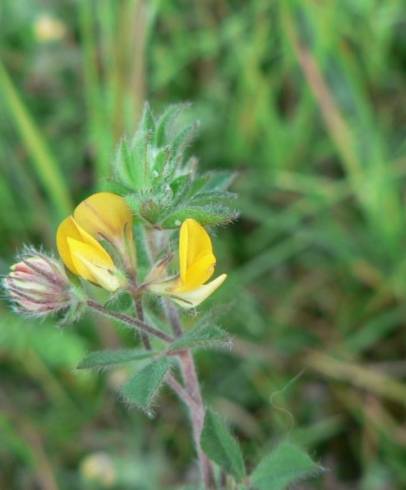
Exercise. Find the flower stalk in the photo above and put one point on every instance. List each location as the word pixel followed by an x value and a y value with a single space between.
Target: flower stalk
pixel 129 321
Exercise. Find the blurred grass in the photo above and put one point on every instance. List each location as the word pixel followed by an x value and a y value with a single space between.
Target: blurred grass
pixel 305 100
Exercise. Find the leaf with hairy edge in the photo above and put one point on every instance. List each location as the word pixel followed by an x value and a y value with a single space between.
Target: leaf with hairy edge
pixel 286 464
pixel 203 336
pixel 105 358
pixel 144 386
pixel 219 180
pixel 206 215
pixel 220 446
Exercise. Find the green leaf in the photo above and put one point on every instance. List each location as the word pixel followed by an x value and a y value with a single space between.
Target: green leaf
pixel 219 180
pixel 164 123
pixel 144 386
pixel 106 358
pixel 179 184
pixel 220 446
pixel 206 215
pixel 206 198
pixel 286 464
pixel 147 120
pixel 184 138
pixel 201 337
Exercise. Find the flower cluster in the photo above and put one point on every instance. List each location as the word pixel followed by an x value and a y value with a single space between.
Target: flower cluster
pixel 96 244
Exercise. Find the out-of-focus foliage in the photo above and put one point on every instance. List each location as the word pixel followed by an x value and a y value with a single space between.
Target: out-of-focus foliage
pixel 304 99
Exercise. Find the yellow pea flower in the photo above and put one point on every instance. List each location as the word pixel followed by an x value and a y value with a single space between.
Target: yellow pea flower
pixel 196 264
pixel 101 216
pixel 105 215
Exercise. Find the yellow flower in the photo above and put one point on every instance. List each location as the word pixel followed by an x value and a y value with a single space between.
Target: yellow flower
pixel 101 216
pixel 106 216
pixel 196 264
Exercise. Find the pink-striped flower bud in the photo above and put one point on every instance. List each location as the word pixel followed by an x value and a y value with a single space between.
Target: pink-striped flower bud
pixel 38 285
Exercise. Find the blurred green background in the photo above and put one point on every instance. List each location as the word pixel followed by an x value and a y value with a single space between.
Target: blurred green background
pixel 306 100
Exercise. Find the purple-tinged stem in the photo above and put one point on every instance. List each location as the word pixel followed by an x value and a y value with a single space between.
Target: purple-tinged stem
pixel 194 401
pixel 130 321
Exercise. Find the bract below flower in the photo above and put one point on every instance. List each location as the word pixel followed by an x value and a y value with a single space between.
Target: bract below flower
pixel 196 264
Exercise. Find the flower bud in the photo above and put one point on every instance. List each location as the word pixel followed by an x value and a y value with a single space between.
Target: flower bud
pixel 38 285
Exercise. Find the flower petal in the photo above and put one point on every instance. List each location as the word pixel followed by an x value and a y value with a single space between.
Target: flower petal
pixel 69 229
pixel 195 244
pixel 198 273
pixel 105 215
pixel 93 264
pixel 191 299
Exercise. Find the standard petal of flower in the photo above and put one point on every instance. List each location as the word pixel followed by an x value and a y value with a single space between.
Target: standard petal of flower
pixel 105 215
pixel 93 264
pixel 191 299
pixel 194 243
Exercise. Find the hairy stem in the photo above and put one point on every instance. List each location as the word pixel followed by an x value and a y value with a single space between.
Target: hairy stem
pixel 179 390
pixel 137 302
pixel 173 317
pixel 190 394
pixel 194 401
pixel 130 321
pixel 140 313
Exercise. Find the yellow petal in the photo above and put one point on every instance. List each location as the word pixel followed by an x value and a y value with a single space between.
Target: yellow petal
pixel 191 299
pixel 198 273
pixel 93 264
pixel 105 215
pixel 69 229
pixel 196 259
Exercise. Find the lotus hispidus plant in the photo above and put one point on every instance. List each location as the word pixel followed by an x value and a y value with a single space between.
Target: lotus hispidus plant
pixel 148 238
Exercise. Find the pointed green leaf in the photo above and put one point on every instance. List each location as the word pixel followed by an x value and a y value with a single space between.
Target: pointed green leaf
pixel 179 184
pixel 206 198
pixel 105 358
pixel 220 446
pixel 206 215
pixel 160 159
pixel 147 122
pixel 164 123
pixel 286 464
pixel 184 138
pixel 144 386
pixel 219 180
pixel 202 337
